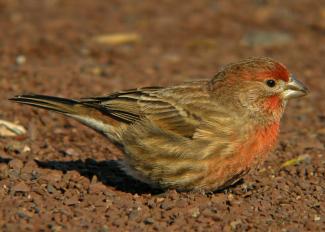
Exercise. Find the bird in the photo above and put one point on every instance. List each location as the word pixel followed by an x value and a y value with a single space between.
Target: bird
pixel 200 135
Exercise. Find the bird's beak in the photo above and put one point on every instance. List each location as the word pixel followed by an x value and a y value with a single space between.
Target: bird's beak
pixel 294 89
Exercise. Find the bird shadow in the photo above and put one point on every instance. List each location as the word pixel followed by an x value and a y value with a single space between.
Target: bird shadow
pixel 108 172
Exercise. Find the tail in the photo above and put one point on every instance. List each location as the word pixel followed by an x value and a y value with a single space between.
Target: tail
pixel 87 114
pixel 57 104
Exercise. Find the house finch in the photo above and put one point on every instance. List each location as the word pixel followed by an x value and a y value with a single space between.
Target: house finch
pixel 202 135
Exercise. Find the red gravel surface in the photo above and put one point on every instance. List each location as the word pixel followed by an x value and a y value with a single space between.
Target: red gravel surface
pixel 62 176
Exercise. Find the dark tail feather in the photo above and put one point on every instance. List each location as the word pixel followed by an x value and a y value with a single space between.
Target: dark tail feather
pixel 57 104
pixel 87 114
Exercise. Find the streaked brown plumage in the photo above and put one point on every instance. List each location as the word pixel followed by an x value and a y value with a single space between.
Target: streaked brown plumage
pixel 202 135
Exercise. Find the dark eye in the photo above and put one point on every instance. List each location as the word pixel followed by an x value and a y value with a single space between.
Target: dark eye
pixel 271 83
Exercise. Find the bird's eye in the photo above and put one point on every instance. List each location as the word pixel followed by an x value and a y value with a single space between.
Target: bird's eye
pixel 270 83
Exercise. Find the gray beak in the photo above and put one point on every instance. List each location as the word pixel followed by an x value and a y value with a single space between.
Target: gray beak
pixel 294 89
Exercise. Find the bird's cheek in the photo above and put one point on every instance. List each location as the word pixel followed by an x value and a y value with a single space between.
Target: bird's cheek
pixel 246 98
pixel 249 99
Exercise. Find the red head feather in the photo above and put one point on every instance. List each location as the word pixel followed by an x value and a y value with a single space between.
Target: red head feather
pixel 276 71
pixel 257 68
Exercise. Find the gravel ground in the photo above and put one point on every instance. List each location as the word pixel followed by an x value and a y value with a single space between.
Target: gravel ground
pixel 61 176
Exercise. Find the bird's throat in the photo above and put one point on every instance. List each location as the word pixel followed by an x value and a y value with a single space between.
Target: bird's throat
pixel 272 109
pixel 273 103
pixel 261 142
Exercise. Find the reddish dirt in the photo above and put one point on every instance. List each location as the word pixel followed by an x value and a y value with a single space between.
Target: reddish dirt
pixel 61 176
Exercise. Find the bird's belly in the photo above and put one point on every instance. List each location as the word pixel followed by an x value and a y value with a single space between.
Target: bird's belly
pixel 211 173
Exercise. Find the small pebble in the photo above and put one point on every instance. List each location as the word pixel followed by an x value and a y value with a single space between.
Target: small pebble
pixel 149 221
pixel 16 164
pixel 20 187
pixel 21 59
pixel 97 188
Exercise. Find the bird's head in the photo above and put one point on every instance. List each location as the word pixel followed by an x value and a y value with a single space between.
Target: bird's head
pixel 261 85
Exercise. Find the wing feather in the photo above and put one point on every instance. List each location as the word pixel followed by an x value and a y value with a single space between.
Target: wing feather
pixel 164 106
